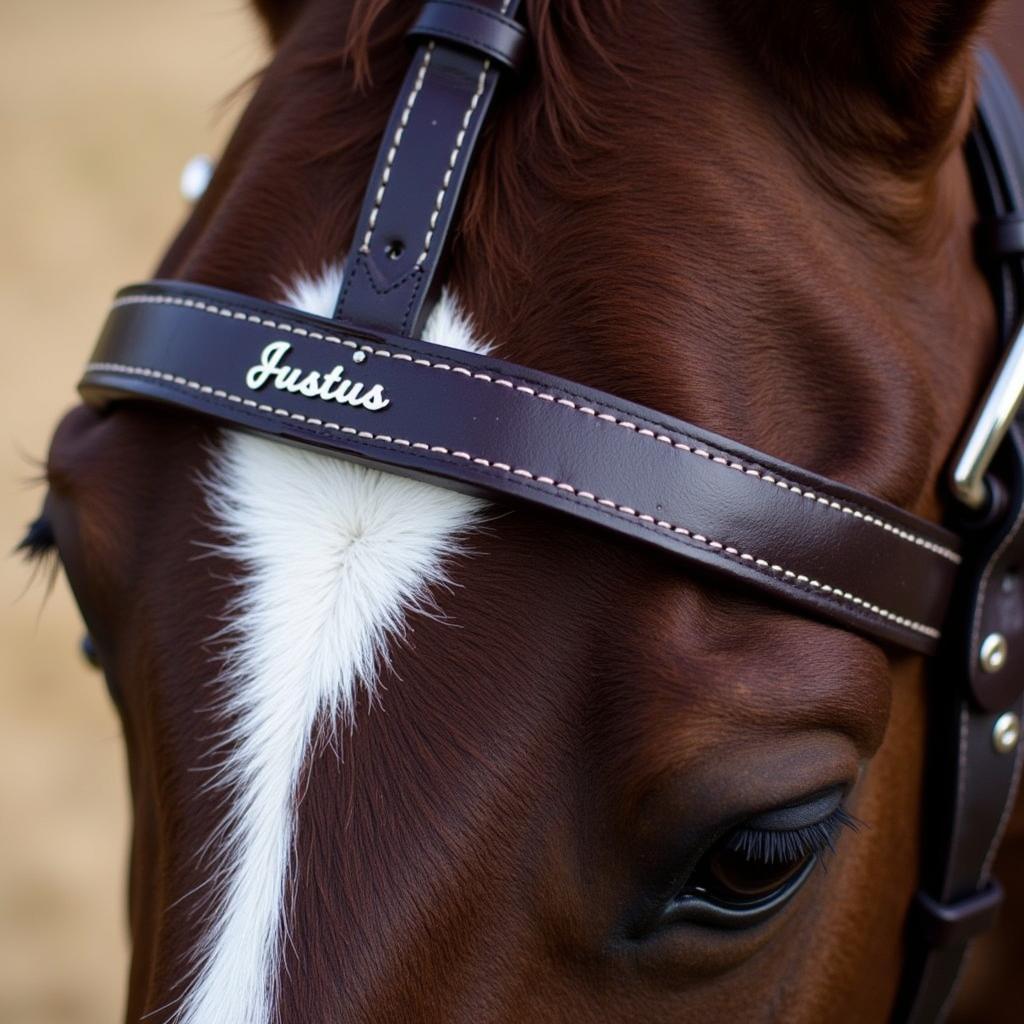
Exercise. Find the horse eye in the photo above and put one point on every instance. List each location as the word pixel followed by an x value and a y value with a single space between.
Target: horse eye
pixel 732 877
pixel 752 871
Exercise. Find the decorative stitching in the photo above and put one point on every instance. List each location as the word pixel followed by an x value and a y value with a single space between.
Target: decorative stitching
pixel 718 547
pixel 824 500
pixel 962 755
pixel 460 138
pixel 1004 818
pixel 396 141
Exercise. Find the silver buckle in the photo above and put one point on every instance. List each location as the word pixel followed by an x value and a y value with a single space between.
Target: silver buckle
pixel 989 426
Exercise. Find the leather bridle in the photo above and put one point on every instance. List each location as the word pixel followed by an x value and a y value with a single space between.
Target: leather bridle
pixel 362 386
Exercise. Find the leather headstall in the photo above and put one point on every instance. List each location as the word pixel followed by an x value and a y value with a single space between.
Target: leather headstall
pixel 360 385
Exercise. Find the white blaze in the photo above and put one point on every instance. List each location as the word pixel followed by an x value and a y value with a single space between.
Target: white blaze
pixel 333 556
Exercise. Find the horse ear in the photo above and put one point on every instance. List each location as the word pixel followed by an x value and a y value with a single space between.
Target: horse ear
pixel 277 15
pixel 900 66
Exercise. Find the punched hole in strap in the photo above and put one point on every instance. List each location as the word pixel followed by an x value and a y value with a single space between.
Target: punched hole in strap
pixel 959 921
pixel 473 26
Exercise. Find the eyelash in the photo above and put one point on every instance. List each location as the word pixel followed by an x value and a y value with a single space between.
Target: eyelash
pixel 39 541
pixel 771 846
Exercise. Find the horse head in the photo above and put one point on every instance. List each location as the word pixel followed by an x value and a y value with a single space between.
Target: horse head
pixel 403 753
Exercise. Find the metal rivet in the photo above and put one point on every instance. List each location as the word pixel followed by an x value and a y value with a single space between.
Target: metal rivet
pixel 993 652
pixel 358 357
pixel 1006 733
pixel 195 177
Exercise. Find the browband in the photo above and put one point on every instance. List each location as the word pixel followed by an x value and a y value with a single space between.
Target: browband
pixel 478 423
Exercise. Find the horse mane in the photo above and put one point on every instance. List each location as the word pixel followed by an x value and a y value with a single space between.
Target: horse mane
pixel 558 32
pixel 893 68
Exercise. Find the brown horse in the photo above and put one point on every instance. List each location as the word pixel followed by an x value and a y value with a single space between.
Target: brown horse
pixel 400 755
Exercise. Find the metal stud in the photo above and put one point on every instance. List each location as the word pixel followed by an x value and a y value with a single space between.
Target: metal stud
pixel 994 651
pixel 1006 733
pixel 195 176
pixel 359 357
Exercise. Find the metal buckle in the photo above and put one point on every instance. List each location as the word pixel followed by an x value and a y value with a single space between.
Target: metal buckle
pixel 989 426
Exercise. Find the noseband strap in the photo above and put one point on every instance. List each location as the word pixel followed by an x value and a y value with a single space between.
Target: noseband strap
pixel 361 386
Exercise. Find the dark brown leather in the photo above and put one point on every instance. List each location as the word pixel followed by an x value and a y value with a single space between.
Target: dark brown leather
pixel 390 271
pixel 479 423
pixel 467 23
pixel 1002 237
pixel 946 925
pixel 970 789
pixel 994 598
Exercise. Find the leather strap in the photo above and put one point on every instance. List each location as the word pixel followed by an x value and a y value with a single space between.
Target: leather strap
pixel 471 25
pixel 993 590
pixel 971 784
pixel 427 146
pixel 1002 237
pixel 479 423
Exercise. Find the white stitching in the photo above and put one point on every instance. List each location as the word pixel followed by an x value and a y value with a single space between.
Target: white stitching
pixel 1004 818
pixel 546 481
pixel 823 500
pixel 389 160
pixel 460 138
pixel 209 307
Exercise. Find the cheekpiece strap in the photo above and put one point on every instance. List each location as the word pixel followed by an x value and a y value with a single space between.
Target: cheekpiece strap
pixel 975 755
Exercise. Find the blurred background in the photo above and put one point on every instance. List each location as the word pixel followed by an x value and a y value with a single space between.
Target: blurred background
pixel 101 104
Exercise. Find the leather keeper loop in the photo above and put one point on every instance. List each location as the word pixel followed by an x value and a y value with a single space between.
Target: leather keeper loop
pixel 470 25
pixel 946 924
pixel 1000 237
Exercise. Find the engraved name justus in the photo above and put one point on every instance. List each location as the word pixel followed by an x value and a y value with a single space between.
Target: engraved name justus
pixel 332 386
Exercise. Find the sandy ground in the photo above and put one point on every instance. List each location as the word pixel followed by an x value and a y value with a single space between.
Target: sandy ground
pixel 101 103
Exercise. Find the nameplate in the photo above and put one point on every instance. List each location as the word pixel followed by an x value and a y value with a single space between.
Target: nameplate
pixel 332 386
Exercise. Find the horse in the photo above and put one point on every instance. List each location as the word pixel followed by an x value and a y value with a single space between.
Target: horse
pixel 400 753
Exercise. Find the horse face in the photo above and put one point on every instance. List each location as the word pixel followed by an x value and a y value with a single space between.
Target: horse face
pixel 520 815
pixel 400 754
